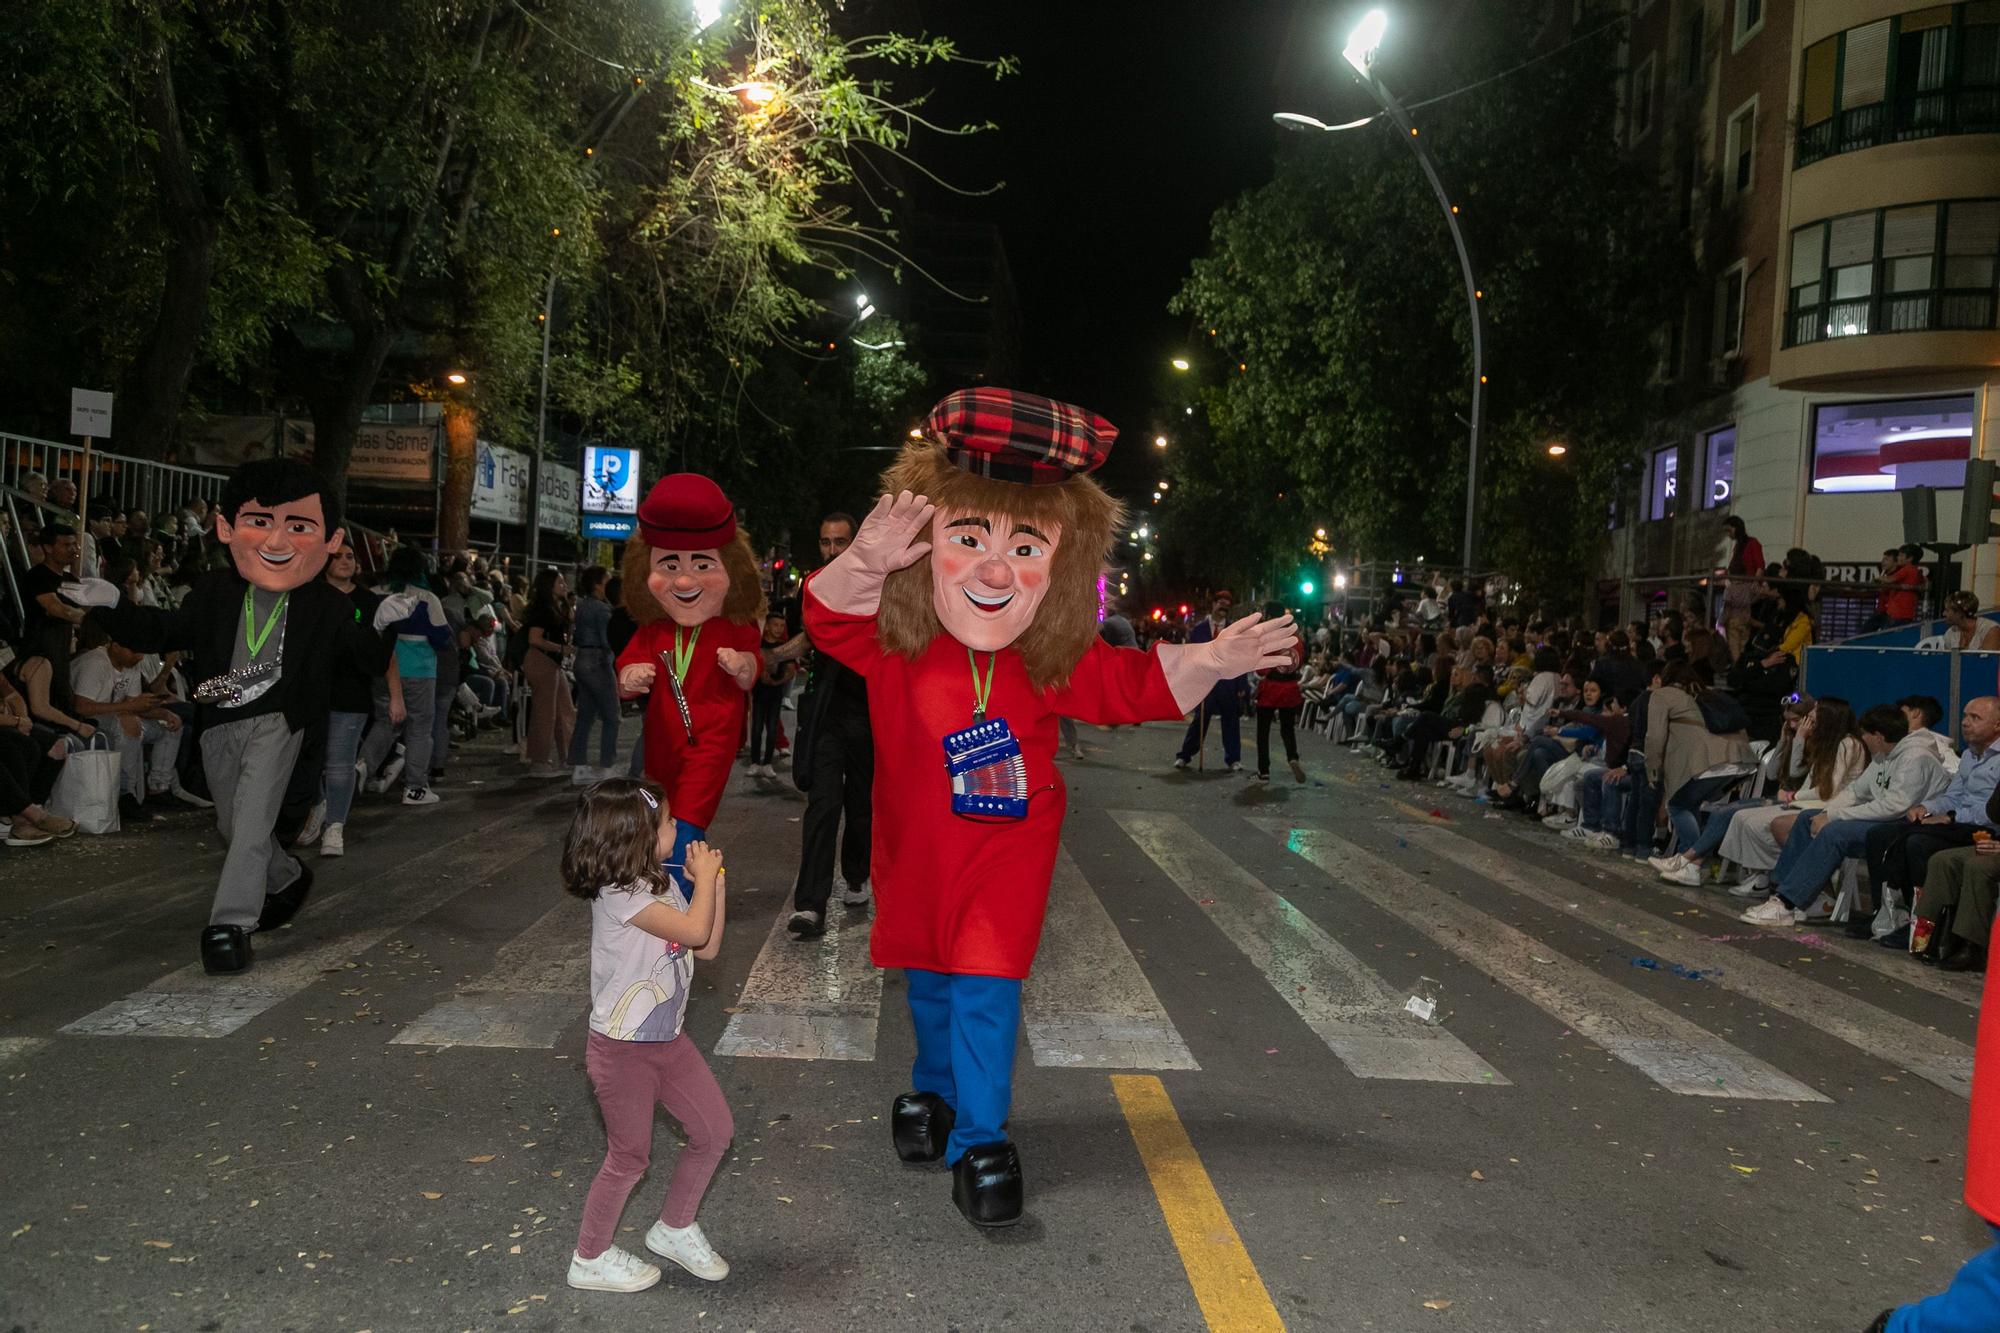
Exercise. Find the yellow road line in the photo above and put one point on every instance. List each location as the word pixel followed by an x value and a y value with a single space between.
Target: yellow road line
pixel 1231 1294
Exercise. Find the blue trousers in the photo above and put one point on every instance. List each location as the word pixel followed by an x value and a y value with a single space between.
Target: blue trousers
pixel 966 1030
pixel 1220 706
pixel 1971 1304
pixel 676 863
pixel 1810 859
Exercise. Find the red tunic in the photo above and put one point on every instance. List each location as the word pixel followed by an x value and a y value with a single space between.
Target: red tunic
pixel 955 894
pixel 693 773
pixel 1982 1145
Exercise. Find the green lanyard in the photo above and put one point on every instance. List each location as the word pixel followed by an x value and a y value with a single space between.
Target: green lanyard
pixel 980 692
pixel 684 655
pixel 252 636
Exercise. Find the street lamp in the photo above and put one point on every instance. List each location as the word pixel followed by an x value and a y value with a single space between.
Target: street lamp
pixel 706 12
pixel 1359 53
pixel 454 377
pixel 1180 363
pixel 1558 450
pixel 1159 441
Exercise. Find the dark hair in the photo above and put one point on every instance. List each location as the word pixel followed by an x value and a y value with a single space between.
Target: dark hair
pixel 1886 721
pixel 543 596
pixel 407 565
pixel 56 531
pixel 1642 649
pixel 1736 529
pixel 1617 642
pixel 590 578
pixel 1833 722
pixel 611 839
pixel 1547 659
pixel 1912 550
pixel 276 481
pixel 841 516
pixel 1681 676
pixel 1928 708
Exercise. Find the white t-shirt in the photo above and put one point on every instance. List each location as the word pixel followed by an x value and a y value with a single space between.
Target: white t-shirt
pixel 638 982
pixel 93 676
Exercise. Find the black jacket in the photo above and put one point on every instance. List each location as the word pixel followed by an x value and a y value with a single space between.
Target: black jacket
pixel 320 628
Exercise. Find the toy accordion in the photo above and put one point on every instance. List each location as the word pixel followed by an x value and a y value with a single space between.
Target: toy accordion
pixel 988 775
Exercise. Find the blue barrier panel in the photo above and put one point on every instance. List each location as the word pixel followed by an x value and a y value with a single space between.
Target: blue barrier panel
pixel 1865 675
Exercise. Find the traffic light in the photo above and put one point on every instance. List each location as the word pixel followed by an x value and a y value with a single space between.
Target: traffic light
pixel 1184 608
pixel 1975 520
pixel 1305 587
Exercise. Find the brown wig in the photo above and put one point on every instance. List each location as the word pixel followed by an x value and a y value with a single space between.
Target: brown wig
pixel 1066 622
pixel 612 837
pixel 743 605
pixel 1832 725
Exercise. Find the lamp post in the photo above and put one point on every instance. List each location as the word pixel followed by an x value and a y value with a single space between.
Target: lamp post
pixel 1360 56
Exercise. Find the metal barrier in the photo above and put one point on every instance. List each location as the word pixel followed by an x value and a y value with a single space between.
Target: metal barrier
pixel 116 480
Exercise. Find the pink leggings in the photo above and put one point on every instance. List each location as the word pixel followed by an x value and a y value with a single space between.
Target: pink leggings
pixel 630 1077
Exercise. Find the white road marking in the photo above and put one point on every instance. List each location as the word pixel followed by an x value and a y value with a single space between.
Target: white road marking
pixel 538 986
pixel 1678 1055
pixel 1087 1004
pixel 18 1048
pixel 189 1003
pixel 1873 1031
pixel 812 999
pixel 1347 1005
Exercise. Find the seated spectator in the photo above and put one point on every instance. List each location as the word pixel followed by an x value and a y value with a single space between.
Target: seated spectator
pixel 1904 772
pixel 1899 851
pixel 1498 756
pixel 44 661
pixel 1965 628
pixel 1621 674
pixel 1461 711
pixel 1923 714
pixel 30 761
pixel 1691 730
pixel 109 687
pixel 1957 901
pixel 39 586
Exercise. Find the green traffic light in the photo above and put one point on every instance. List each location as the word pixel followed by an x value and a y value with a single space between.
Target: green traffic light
pixel 1306 586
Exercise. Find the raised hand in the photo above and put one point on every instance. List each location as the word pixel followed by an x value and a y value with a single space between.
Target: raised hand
pixel 1253 644
pixel 703 860
pixel 887 539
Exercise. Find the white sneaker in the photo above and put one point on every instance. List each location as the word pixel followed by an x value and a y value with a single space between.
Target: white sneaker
pixel 1559 821
pixel 1773 911
pixel 614 1270
pixel 333 840
pixel 1604 842
pixel 1666 865
pixel 315 826
pixel 854 895
pixel 1821 909
pixel 690 1249
pixel 1577 832
pixel 582 775
pixel 605 774
pixel 1749 888
pixel 186 797
pixel 1180 763
pixel 420 796
pixel 1236 768
pixel 389 776
pixel 1689 875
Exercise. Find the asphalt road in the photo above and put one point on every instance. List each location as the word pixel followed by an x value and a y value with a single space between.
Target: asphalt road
pixel 1226 1117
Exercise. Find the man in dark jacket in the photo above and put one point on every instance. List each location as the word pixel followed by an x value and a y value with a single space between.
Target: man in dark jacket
pixel 834 762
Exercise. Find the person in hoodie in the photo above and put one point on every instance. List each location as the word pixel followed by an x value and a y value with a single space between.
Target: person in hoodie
pixel 1904 773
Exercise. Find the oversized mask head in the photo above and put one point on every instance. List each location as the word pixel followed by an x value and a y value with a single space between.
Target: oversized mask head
pixel 989 573
pixel 280 522
pixel 690 586
pixel 690 558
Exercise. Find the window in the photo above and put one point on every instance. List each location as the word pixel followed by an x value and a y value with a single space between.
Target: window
pixel 1749 22
pixel 1719 448
pixel 1892 446
pixel 1725 339
pixel 1660 494
pixel 1898 270
pixel 1642 100
pixel 1739 162
pixel 1921 73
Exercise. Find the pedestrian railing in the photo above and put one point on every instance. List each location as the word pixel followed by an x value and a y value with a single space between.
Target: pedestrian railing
pixel 117 480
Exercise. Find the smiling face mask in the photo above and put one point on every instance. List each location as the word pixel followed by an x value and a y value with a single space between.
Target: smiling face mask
pixel 689 585
pixel 279 547
pixel 989 573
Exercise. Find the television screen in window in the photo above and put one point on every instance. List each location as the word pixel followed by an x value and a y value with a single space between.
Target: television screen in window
pixel 1891 445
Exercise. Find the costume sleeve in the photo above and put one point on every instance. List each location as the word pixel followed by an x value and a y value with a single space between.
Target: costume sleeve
pixel 848 640
pixel 640 648
pixel 146 629
pixel 1116 687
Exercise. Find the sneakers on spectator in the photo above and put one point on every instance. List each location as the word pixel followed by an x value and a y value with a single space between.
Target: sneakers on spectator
pixel 614 1270
pixel 1576 832
pixel 1604 842
pixel 806 924
pixel 183 795
pixel 315 826
pixel 1260 777
pixel 25 832
pixel 582 775
pixel 1666 864
pixel 1235 768
pixel 388 776
pixel 333 840
pixel 420 796
pixel 1689 874
pixel 1820 910
pixel 1773 911
pixel 690 1249
pixel 1559 821
pixel 1754 887
pixel 854 895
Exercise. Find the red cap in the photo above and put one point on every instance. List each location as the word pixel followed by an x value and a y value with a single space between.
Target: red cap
pixel 1019 437
pixel 687 512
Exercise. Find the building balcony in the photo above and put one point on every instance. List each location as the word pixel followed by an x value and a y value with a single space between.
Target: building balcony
pixel 1923 116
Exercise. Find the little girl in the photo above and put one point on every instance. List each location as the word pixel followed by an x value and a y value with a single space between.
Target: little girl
pixel 642 929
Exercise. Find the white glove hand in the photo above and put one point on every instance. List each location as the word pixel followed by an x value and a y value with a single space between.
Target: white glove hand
pixel 90 592
pixel 1252 644
pixel 742 666
pixel 397 607
pixel 887 540
pixel 636 679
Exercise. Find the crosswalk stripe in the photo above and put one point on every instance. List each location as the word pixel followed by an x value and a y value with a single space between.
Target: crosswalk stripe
pixel 1895 1041
pixel 17 1048
pixel 189 1003
pixel 811 1000
pixel 1088 1005
pixel 1346 1004
pixel 1678 1055
pixel 530 996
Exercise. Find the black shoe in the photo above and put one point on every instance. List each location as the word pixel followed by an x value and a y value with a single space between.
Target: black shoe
pixel 986 1185
pixel 1861 925
pixel 807 925
pixel 1965 957
pixel 224 949
pixel 283 905
pixel 919 1124
pixel 1898 938
pixel 132 812
pixel 1881 1323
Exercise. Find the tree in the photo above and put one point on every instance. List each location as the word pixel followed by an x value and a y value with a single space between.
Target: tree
pixel 1335 289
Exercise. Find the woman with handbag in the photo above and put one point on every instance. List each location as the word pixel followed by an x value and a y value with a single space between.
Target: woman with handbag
pixel 551 711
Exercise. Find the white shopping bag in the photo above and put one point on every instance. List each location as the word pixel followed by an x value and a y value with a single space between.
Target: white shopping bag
pixel 87 791
pixel 1891 916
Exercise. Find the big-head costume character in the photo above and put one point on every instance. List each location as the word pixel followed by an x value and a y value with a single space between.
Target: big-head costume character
pixel 260 639
pixel 692 585
pixel 969 601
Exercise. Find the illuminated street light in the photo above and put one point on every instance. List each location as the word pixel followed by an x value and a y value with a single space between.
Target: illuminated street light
pixel 1161 486
pixel 1295 121
pixel 1366 38
pixel 1159 441
pixel 1180 363
pixel 916 433
pixel 454 377
pixel 1339 581
pixel 1320 533
pixel 758 93
pixel 1145 555
pixel 706 12
pixel 1558 450
pixel 1145 531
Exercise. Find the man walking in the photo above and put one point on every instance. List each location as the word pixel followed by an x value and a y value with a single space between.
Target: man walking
pixel 833 761
pixel 1224 698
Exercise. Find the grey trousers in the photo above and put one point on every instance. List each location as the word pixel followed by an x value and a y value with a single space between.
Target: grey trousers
pixel 249 765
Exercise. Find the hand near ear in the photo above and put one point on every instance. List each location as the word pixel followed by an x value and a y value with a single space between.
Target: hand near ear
pixel 886 542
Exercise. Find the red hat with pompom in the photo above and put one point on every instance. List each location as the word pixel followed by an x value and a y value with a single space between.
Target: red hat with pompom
pixel 685 511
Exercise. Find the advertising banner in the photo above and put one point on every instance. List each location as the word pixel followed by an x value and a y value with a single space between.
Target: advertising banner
pixel 500 489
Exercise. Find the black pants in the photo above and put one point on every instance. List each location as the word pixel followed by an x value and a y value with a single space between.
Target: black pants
pixel 843 770
pixel 1287 720
pixel 27 774
pixel 766 702
pixel 1425 732
pixel 1899 851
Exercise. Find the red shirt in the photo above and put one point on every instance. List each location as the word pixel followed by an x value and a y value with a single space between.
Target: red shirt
pixel 954 894
pixel 1900 602
pixel 1982 1140
pixel 693 773
pixel 1284 693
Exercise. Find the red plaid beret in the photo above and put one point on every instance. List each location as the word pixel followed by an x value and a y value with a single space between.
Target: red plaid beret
pixel 687 512
pixel 1019 437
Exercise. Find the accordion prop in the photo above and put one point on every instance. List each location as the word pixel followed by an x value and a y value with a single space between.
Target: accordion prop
pixel 988 776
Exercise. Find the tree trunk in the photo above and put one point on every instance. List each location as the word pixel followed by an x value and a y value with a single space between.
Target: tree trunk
pixel 461 453
pixel 339 399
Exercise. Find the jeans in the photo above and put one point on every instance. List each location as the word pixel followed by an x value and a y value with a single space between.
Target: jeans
pixel 1899 851
pixel 596 701
pixel 343 747
pixel 1543 753
pixel 419 695
pixel 1715 830
pixel 491 691
pixel 1810 859
pixel 1684 808
pixel 146 761
pixel 1600 803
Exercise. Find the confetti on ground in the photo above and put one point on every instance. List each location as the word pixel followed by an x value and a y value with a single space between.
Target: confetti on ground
pixel 1437 1304
pixel 480 1160
pixel 1746 1170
